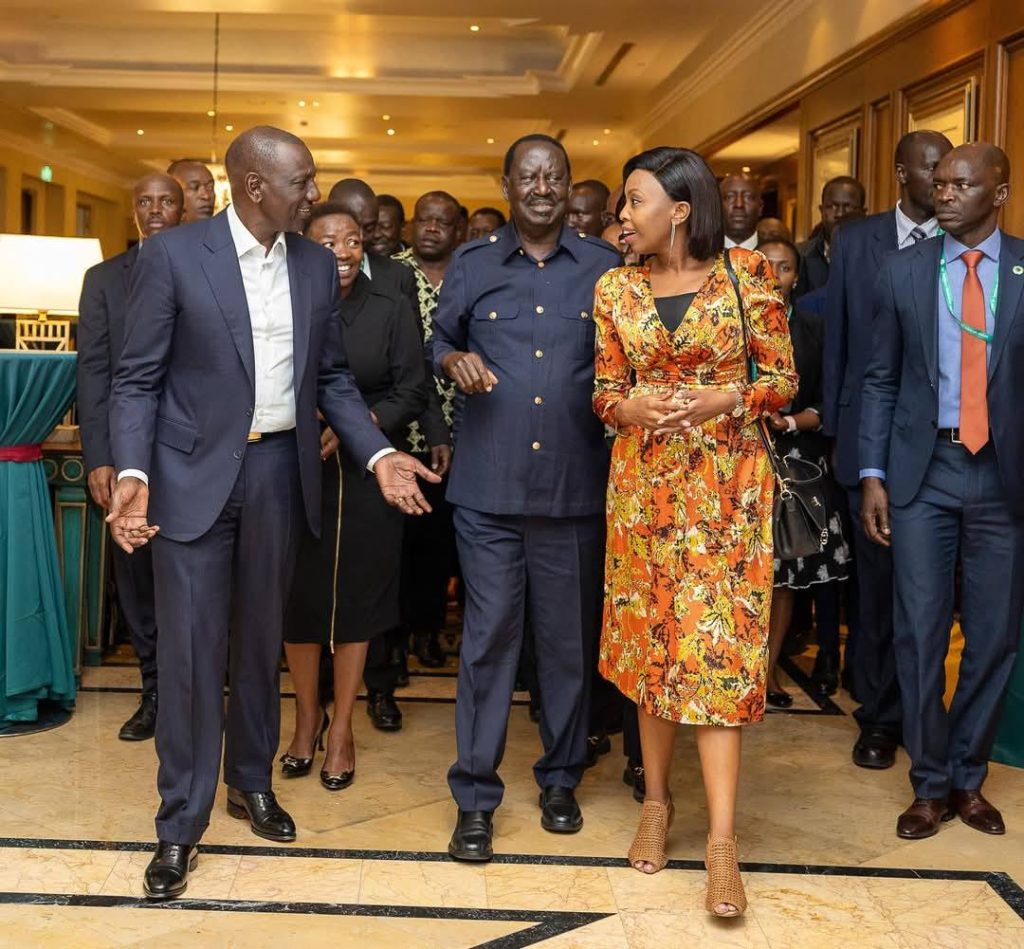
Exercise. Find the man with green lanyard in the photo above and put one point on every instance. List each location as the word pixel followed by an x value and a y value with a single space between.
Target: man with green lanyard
pixel 942 474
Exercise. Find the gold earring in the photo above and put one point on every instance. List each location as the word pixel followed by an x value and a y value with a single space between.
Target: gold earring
pixel 672 238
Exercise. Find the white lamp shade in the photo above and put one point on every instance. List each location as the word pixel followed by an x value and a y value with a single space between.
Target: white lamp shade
pixel 44 273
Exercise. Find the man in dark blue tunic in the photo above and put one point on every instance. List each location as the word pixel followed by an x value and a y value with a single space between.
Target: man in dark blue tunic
pixel 514 330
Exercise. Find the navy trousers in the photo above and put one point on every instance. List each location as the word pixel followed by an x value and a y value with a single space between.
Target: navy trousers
pixel 133 576
pixel 550 567
pixel 959 513
pixel 235 577
pixel 874 664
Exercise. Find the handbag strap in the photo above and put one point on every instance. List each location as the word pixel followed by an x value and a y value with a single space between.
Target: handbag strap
pixel 768 442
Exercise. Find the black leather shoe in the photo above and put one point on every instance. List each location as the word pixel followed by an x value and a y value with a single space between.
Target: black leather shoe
pixel 825 676
pixel 142 724
pixel 384 712
pixel 875 749
pixel 779 698
pixel 167 874
pixel 428 650
pixel 292 767
pixel 471 840
pixel 337 782
pixel 597 745
pixel 560 813
pixel 633 776
pixel 267 818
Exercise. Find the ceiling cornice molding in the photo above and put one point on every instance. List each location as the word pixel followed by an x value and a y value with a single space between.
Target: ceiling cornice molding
pixel 48 154
pixel 728 55
pixel 76 123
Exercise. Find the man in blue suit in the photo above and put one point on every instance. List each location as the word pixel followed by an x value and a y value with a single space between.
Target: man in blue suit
pixel 513 329
pixel 158 204
pixel 857 252
pixel 942 469
pixel 233 344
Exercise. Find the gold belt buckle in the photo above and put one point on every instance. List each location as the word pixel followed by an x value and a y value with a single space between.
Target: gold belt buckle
pixel 254 437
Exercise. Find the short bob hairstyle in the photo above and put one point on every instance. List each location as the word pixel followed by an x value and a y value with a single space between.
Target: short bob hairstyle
pixel 685 176
pixel 328 209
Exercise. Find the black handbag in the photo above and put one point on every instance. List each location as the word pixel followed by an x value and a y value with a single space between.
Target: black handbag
pixel 799 513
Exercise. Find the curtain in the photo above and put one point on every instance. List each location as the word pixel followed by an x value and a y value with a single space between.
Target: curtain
pixel 36 653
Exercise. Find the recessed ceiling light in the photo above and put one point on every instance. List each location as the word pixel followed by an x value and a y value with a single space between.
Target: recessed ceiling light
pixel 490 141
pixel 597 142
pixel 302 103
pixel 607 131
pixel 140 131
pixel 391 131
pixel 386 117
pixel 229 128
pixel 474 29
pixel 316 103
pixel 745 169
pixel 210 113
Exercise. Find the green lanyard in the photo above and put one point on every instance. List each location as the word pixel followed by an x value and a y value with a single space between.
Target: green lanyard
pixel 993 301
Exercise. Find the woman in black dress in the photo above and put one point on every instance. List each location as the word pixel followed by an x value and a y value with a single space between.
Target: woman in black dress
pixel 797 432
pixel 345 594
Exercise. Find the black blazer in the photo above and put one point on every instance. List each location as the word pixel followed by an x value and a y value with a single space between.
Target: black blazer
pixel 806 330
pixel 101 321
pixel 814 266
pixel 901 395
pixel 182 400
pixel 382 341
pixel 858 249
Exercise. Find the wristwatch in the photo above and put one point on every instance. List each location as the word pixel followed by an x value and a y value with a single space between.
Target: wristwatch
pixel 740 405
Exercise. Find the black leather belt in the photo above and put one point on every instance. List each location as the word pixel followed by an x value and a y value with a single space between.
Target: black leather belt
pixel 951 435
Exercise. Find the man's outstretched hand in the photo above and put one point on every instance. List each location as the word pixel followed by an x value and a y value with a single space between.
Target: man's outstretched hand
pixel 396 475
pixel 127 518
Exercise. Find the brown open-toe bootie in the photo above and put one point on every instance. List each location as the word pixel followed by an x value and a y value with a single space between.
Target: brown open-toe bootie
pixel 724 883
pixel 649 842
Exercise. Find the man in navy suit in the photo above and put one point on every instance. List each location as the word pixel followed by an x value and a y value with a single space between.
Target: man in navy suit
pixel 233 344
pixel 513 329
pixel 857 252
pixel 942 469
pixel 158 204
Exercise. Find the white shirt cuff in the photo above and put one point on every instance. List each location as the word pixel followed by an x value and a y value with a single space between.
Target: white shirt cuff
pixel 377 457
pixel 134 473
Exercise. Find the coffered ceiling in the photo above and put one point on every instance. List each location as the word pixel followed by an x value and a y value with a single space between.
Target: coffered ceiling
pixel 409 95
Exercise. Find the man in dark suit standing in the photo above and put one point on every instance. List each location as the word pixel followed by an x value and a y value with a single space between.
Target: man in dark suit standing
pixel 513 329
pixel 158 203
pixel 942 468
pixel 233 344
pixel 842 199
pixel 857 252
pixel 197 184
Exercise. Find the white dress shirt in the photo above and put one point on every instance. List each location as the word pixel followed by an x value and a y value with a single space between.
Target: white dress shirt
pixel 749 244
pixel 904 225
pixel 268 297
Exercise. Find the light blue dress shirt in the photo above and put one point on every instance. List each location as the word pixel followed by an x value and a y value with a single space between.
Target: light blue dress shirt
pixel 950 333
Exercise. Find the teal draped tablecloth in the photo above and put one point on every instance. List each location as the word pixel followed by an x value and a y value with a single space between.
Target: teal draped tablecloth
pixel 36 654
pixel 1009 746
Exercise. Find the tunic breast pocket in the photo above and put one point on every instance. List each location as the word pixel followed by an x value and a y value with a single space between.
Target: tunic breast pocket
pixel 493 329
pixel 583 318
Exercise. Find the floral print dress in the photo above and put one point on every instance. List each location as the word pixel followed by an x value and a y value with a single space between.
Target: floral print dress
pixel 688 571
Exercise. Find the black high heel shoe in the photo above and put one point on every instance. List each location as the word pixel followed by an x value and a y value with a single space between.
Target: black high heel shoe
pixel 338 781
pixel 292 767
pixel 779 698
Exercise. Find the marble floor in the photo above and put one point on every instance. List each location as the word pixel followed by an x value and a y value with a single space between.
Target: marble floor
pixel 822 863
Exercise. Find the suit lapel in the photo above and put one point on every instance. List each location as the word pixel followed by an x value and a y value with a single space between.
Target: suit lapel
pixel 302 317
pixel 1010 287
pixel 129 266
pixel 885 238
pixel 225 278
pixel 924 275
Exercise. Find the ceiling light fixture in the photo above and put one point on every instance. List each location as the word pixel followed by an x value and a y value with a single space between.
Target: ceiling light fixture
pixel 474 29
pixel 391 131
pixel 597 142
pixel 607 131
pixel 229 128
pixel 386 117
pixel 490 141
pixel 140 131
pixel 211 113
pixel 745 169
pixel 302 103
pixel 316 103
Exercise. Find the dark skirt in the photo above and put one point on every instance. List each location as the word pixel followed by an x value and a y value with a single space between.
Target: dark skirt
pixel 346 583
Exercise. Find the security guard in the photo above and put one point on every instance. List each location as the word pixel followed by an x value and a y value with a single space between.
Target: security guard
pixel 513 329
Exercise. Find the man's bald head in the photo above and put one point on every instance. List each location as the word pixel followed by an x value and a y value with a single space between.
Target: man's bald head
pixel 157 204
pixel 197 183
pixel 922 138
pixel 273 181
pixel 917 155
pixel 585 210
pixel 971 185
pixel 359 200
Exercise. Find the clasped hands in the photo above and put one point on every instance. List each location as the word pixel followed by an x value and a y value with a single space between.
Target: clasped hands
pixel 674 412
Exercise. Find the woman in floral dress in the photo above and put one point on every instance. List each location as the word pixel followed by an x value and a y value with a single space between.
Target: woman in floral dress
pixel 688 576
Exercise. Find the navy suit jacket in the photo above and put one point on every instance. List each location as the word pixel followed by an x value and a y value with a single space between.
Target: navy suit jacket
pixel 857 251
pixel 901 397
pixel 101 317
pixel 533 327
pixel 183 395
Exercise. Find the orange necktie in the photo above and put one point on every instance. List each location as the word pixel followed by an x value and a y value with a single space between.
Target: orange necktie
pixel 973 360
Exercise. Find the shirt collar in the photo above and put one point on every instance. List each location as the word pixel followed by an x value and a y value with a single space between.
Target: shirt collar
pixel 749 244
pixel 990 246
pixel 244 240
pixel 904 225
pixel 508 240
pixel 365 265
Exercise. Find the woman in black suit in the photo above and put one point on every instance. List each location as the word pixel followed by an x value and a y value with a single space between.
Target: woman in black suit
pixel 797 431
pixel 345 594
